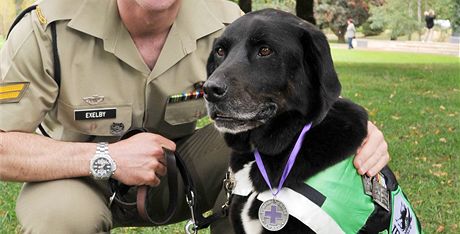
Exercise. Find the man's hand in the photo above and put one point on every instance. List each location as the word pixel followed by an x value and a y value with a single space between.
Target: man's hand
pixel 140 159
pixel 373 155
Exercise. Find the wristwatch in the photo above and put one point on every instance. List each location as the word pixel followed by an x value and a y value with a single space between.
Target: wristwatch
pixel 102 166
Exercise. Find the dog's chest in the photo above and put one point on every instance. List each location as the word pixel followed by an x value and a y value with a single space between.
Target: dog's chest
pixel 316 205
pixel 247 202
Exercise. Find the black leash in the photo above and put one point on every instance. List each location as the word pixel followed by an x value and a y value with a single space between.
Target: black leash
pixel 118 189
pixel 174 163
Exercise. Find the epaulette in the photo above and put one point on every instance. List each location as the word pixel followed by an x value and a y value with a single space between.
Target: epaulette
pixel 41 17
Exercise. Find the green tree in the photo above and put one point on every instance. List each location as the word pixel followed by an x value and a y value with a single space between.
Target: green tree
pixel 376 22
pixel 369 29
pixel 399 17
pixel 334 14
pixel 395 15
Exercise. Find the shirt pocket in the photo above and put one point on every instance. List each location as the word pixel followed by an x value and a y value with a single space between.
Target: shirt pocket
pixel 116 120
pixel 183 112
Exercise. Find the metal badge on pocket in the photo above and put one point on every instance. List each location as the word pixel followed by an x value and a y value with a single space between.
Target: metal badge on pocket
pixel 117 129
pixel 94 99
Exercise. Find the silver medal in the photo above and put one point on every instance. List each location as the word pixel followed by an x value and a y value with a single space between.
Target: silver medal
pixel 273 215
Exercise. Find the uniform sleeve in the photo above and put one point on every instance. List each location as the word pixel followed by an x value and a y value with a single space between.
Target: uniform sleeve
pixel 27 88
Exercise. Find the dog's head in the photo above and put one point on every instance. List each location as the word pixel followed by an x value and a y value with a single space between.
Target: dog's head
pixel 265 64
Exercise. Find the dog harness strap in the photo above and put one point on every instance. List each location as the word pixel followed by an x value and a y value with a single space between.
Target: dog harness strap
pixel 338 184
pixel 335 194
pixel 316 218
pixel 243 187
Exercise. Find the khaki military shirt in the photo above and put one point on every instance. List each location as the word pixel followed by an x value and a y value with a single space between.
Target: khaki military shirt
pixel 106 88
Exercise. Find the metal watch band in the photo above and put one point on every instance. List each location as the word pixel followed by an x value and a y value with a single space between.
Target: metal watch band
pixel 102 148
pixel 101 158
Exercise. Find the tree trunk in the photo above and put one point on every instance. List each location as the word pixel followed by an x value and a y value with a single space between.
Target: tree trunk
pixel 456 21
pixel 304 10
pixel 340 33
pixel 341 37
pixel 419 18
pixel 245 5
pixel 411 13
pixel 419 11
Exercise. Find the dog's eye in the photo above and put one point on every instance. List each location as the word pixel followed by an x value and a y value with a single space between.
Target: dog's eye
pixel 220 52
pixel 264 51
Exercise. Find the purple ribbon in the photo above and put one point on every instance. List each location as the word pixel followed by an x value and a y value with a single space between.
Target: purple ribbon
pixel 289 163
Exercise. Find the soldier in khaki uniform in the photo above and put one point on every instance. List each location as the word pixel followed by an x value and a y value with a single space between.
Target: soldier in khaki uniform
pixel 125 64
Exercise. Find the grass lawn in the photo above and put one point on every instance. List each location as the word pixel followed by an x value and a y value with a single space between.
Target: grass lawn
pixel 415 100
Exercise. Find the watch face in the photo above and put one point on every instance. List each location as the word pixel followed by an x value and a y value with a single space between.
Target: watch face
pixel 102 167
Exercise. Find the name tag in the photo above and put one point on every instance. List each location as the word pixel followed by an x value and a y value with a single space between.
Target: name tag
pixel 88 114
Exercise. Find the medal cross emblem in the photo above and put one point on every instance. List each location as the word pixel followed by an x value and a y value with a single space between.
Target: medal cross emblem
pixel 273 215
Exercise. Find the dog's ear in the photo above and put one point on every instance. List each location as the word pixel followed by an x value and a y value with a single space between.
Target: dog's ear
pixel 318 64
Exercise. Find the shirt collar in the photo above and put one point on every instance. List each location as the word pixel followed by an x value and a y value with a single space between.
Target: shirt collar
pixel 100 19
pixel 193 22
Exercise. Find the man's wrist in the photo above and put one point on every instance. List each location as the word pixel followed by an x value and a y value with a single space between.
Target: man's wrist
pixel 102 166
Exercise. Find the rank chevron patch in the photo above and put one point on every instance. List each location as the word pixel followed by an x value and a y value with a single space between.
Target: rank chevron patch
pixel 12 92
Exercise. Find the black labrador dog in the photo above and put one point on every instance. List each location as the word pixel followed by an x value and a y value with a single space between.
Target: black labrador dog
pixel 271 77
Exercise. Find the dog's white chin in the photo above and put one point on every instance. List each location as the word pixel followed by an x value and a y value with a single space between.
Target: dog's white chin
pixel 237 128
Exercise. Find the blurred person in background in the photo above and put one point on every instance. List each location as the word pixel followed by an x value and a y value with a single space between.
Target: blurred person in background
pixel 429 20
pixel 351 33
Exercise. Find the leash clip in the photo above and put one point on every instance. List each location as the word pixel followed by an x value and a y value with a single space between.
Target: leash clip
pixel 191 226
pixel 229 185
pixel 229 182
pixel 111 198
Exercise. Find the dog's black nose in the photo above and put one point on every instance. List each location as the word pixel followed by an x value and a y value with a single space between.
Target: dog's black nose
pixel 214 91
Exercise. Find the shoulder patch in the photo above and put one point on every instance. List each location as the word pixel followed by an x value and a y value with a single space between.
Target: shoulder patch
pixel 403 220
pixel 40 16
pixel 12 92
